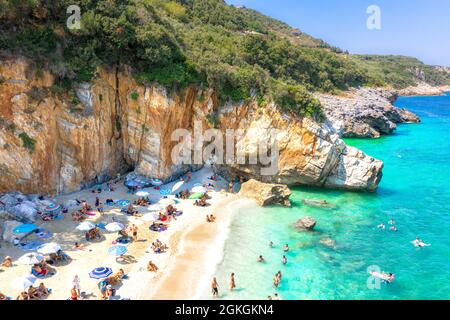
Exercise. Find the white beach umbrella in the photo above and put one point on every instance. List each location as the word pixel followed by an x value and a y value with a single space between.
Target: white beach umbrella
pixel 31 258
pixel 49 248
pixel 199 189
pixel 24 282
pixel 114 227
pixel 142 193
pixel 177 186
pixel 166 202
pixel 135 221
pixel 86 226
pixel 150 217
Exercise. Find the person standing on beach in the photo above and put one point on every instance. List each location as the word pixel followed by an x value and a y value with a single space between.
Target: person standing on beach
pixel 232 282
pixel 215 287
pixel 76 285
pixel 135 232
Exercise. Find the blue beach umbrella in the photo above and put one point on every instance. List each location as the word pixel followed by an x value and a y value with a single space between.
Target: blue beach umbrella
pixel 164 192
pixel 117 250
pixel 132 184
pixel 100 273
pixel 25 228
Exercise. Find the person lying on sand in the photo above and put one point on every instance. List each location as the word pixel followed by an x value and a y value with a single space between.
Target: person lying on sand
pixel 79 246
pixel 23 296
pixel 38 271
pixel 42 289
pixel 152 267
pixel 7 263
pixel 33 293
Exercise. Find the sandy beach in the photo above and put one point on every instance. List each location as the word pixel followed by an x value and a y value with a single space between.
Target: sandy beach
pixel 185 270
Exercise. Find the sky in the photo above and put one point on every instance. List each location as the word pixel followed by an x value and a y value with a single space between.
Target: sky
pixel 417 28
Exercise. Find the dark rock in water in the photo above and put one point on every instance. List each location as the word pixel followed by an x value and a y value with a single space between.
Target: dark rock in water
pixel 305 224
pixel 319 204
pixel 328 242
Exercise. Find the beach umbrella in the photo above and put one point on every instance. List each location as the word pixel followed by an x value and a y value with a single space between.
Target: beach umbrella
pixel 52 208
pixel 31 258
pixel 164 192
pixel 123 203
pixel 114 227
pixel 150 217
pixel 177 186
pixel 117 250
pixel 167 202
pixel 199 189
pixel 196 196
pixel 135 221
pixel 24 282
pixel 85 226
pixel 132 184
pixel 155 207
pixel 25 228
pixel 157 182
pixel 142 193
pixel 49 248
pixel 100 273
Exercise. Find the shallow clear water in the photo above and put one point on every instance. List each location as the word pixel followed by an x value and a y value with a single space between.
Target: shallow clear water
pixel 414 192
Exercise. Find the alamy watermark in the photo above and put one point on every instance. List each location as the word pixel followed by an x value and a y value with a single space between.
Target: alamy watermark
pixel 232 147
pixel 74 20
pixel 374 19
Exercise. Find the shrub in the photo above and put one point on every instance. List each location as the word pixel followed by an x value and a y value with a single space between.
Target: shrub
pixel 27 142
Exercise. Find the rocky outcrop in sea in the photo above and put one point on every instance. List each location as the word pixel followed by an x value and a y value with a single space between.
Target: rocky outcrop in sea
pixel 365 112
pixel 266 194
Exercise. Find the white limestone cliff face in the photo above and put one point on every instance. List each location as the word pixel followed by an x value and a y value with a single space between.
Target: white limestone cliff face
pixel 52 143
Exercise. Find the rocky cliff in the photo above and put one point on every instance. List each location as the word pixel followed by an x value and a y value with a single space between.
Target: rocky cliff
pixel 365 113
pixel 54 141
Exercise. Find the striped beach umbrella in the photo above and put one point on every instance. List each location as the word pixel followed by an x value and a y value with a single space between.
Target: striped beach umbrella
pixel 100 273
pixel 157 182
pixel 25 228
pixel 117 250
pixel 53 207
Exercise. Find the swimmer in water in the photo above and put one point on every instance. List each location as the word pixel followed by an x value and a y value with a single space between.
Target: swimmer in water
pixel 419 243
pixel 284 260
pixel 381 226
pixel 286 248
pixel 392 222
pixel 261 259
pixel 393 228
pixel 271 244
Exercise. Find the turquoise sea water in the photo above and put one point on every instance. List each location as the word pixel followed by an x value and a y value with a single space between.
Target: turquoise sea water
pixel 414 192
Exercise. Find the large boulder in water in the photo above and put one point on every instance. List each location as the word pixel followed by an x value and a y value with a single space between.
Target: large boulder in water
pixel 266 194
pixel 306 224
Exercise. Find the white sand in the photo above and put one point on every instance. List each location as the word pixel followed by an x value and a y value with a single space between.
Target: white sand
pixel 195 248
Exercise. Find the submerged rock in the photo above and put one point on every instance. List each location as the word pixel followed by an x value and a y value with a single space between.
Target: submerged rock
pixel 305 224
pixel 319 203
pixel 328 242
pixel 266 194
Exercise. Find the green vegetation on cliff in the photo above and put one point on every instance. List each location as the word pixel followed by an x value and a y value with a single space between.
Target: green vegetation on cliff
pixel 240 53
